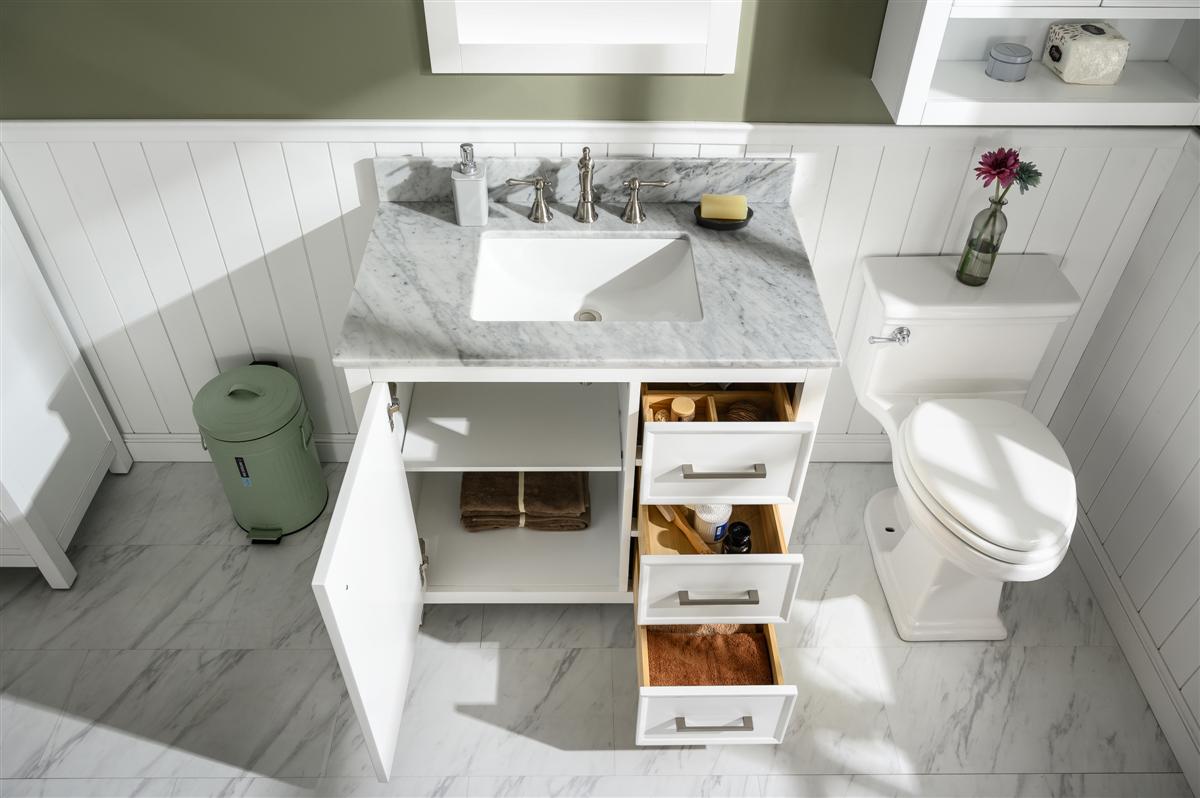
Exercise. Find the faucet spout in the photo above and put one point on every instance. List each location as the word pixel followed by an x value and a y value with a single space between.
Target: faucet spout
pixel 585 209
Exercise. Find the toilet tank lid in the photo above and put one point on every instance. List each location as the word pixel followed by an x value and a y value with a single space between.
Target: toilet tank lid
pixel 923 287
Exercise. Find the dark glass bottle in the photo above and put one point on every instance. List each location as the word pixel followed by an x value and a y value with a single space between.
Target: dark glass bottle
pixel 737 539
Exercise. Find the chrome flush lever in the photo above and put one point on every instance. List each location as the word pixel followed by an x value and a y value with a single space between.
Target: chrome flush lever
pixel 900 335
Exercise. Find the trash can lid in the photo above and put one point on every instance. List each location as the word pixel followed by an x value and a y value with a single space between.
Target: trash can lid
pixel 246 403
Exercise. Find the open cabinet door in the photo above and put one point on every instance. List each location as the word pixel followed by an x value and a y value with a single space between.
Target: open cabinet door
pixel 368 581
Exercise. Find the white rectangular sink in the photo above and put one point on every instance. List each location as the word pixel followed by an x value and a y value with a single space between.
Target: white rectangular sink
pixel 585 278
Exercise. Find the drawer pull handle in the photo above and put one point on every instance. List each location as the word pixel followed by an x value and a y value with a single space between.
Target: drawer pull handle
pixel 759 471
pixel 686 600
pixel 681 725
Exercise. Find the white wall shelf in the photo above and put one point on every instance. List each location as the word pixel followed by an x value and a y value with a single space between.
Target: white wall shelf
pixel 1149 10
pixel 1149 93
pixel 929 68
pixel 513 427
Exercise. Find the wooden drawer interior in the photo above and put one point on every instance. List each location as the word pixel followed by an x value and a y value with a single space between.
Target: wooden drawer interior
pixel 714 402
pixel 656 535
pixel 651 640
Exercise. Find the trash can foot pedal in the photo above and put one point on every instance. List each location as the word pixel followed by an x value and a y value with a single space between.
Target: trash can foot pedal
pixel 260 535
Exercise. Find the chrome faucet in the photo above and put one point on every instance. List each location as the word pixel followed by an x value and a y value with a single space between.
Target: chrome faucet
pixel 585 209
pixel 633 209
pixel 540 212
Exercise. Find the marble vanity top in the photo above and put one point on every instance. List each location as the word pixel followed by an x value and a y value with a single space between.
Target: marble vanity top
pixel 411 302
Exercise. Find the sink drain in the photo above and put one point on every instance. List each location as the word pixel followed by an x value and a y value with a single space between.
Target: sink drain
pixel 587 315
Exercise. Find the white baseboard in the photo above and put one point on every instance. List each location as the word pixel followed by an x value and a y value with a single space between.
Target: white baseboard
pixel 870 448
pixel 186 448
pixel 1149 668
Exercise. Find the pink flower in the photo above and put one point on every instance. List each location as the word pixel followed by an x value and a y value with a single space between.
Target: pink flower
pixel 1000 164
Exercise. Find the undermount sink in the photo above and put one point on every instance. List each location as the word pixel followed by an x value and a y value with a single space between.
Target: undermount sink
pixel 585 278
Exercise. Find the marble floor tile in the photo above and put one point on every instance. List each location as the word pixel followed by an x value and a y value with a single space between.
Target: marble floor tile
pixel 834 498
pixel 495 712
pixel 128 597
pixel 400 787
pixel 840 602
pixel 122 505
pixel 558 626
pixel 839 724
pixel 614 787
pixel 451 625
pixel 87 788
pixel 191 507
pixel 34 686
pixel 1059 610
pixel 274 605
pixel 197 713
pixel 1025 785
pixel 968 708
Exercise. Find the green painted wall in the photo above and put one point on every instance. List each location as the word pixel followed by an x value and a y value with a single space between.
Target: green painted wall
pixel 798 61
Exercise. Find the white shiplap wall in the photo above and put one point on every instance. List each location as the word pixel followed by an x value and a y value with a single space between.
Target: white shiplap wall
pixel 179 249
pixel 1130 422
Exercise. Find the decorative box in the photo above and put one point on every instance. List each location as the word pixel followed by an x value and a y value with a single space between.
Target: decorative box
pixel 1091 53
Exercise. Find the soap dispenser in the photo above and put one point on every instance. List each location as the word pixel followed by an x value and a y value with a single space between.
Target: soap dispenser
pixel 470 189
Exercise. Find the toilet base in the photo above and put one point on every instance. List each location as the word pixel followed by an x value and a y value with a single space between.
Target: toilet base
pixel 930 597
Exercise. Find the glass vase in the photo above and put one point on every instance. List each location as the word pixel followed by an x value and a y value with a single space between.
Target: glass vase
pixel 983 244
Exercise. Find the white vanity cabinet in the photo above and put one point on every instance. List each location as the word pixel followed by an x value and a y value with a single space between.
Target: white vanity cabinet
pixel 395 542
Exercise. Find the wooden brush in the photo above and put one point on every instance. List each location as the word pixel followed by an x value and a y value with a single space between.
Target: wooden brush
pixel 693 537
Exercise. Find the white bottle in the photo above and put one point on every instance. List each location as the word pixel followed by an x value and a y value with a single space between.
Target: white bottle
pixel 470 189
pixel 712 520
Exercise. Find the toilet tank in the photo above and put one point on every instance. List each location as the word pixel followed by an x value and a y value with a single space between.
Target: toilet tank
pixel 964 340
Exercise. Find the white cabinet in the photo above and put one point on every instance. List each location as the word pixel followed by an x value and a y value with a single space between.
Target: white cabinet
pixel 677 585
pixel 57 438
pixel 368 580
pixel 929 66
pixel 395 542
pixel 583 36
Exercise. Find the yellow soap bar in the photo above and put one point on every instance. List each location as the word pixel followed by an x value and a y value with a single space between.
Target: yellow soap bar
pixel 723 206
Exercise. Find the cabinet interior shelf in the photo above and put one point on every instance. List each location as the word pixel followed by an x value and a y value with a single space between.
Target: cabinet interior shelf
pixel 513 427
pixel 516 560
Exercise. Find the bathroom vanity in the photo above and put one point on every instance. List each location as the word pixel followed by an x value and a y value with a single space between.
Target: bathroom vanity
pixel 462 353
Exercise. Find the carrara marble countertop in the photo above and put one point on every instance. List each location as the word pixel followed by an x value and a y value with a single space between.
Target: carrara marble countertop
pixel 412 297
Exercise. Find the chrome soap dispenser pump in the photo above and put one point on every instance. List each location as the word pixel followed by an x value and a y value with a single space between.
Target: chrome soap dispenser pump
pixel 469 182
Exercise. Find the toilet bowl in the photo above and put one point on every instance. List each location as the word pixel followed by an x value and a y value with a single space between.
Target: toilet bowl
pixel 984 492
pixel 984 495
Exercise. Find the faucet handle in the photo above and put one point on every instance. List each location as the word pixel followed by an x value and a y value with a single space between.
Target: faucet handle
pixel 633 209
pixel 540 212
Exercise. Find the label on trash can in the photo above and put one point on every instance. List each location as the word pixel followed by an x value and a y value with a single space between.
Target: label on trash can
pixel 245 472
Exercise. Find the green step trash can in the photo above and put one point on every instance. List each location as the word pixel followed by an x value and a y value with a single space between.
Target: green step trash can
pixel 257 429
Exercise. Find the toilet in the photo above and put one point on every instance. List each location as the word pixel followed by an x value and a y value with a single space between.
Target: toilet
pixel 984 492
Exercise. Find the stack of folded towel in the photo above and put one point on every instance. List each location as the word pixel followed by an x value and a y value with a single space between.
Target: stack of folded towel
pixel 552 501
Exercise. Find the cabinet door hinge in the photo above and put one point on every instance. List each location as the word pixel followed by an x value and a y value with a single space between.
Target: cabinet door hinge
pixel 393 407
pixel 423 568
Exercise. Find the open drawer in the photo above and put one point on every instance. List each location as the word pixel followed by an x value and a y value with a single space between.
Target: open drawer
pixel 678 585
pixel 723 460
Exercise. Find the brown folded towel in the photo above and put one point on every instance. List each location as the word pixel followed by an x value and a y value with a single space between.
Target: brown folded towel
pixel 687 659
pixel 555 501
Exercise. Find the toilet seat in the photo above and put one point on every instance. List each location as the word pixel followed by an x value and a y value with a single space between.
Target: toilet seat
pixel 992 475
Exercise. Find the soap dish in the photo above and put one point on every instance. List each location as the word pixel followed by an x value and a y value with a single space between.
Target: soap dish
pixel 724 224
